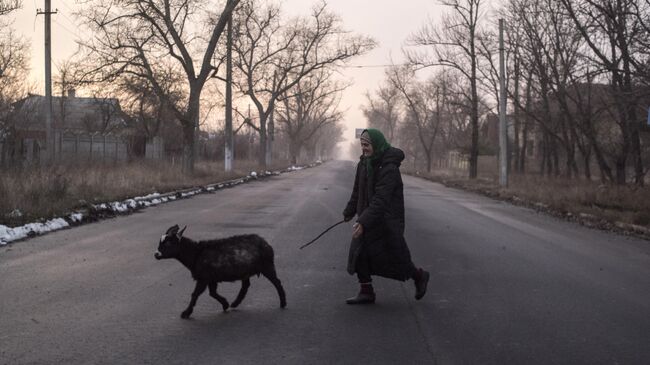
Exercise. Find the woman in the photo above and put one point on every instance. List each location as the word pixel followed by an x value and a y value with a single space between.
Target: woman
pixel 378 246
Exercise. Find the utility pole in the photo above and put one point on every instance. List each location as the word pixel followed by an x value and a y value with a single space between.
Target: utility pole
pixel 503 127
pixel 229 135
pixel 270 131
pixel 49 138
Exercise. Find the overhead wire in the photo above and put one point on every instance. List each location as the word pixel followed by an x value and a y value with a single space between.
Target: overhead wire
pixel 374 66
pixel 65 28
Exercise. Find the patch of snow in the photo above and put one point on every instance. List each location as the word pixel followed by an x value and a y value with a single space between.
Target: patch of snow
pixel 4 234
pixel 150 196
pixel 119 207
pixel 190 193
pixel 12 234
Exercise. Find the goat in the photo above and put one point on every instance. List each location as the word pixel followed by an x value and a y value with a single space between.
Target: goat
pixel 213 261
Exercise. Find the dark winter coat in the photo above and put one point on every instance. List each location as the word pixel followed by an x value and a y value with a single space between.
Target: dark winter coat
pixel 378 200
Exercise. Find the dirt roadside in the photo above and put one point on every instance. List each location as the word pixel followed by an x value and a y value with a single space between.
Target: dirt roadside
pixel 619 217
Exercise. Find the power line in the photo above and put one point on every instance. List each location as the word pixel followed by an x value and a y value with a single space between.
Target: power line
pixel 372 66
pixel 66 5
pixel 70 21
pixel 65 28
pixel 68 18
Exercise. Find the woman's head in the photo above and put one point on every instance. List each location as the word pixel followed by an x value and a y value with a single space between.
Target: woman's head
pixel 366 144
pixel 373 142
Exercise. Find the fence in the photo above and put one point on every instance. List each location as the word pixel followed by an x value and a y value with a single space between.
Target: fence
pixel 104 147
pixel 154 148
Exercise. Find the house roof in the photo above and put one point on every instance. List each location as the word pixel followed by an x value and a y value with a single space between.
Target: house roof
pixel 87 114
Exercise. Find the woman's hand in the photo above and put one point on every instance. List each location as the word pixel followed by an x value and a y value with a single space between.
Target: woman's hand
pixel 357 230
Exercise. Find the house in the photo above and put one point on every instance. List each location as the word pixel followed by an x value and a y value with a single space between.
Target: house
pixel 82 128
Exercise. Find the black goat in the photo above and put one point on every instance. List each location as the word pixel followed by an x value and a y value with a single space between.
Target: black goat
pixel 228 259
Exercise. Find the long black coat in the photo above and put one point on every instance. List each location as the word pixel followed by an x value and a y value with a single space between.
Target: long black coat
pixel 378 200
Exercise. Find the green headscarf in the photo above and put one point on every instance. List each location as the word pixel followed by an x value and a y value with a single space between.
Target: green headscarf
pixel 379 146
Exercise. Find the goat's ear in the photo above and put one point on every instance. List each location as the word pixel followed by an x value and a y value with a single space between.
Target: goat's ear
pixel 180 234
pixel 172 230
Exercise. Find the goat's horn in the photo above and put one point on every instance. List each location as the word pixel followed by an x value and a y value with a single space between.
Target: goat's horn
pixel 180 234
pixel 172 230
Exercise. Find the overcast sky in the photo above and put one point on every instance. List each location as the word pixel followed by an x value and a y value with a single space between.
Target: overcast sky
pixel 389 22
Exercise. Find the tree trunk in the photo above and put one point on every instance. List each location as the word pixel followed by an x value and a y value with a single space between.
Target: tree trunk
pixel 524 147
pixel 187 164
pixel 605 170
pixel 294 149
pixel 515 121
pixel 228 145
pixel 556 159
pixel 586 155
pixel 545 155
pixel 261 156
pixel 268 154
pixel 473 155
pixel 190 133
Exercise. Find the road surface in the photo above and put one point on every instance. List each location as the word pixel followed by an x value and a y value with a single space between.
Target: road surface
pixel 508 286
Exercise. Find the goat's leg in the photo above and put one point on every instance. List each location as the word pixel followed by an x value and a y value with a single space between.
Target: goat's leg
pixel 215 295
pixel 269 273
pixel 242 292
pixel 198 290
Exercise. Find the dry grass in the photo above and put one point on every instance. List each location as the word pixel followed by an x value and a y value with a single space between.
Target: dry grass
pixel 627 204
pixel 44 192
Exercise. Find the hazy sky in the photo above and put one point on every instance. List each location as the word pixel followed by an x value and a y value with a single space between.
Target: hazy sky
pixel 389 22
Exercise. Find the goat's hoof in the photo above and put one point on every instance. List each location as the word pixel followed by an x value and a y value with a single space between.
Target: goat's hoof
pixel 225 307
pixel 186 314
pixel 234 305
pixel 283 305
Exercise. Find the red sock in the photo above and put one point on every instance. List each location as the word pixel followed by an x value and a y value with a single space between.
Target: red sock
pixel 366 288
pixel 417 274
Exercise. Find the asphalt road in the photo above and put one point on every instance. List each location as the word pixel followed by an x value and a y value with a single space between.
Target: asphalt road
pixel 508 286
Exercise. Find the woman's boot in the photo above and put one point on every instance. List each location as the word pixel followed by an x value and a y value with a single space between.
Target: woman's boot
pixel 366 295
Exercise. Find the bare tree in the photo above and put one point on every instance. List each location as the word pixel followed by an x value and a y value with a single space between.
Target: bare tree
pixel 271 57
pixel 423 104
pixel 327 140
pixel 453 43
pixel 66 82
pixel 382 111
pixel 311 106
pixel 14 59
pixel 144 38
pixel 611 31
pixel 7 6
